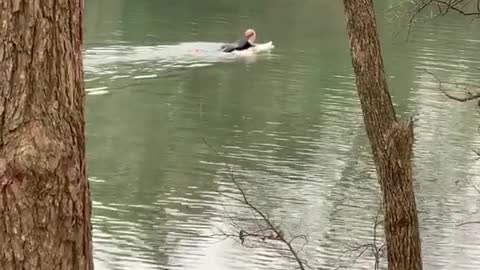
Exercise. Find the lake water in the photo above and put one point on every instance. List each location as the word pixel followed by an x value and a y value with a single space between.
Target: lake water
pixel 287 122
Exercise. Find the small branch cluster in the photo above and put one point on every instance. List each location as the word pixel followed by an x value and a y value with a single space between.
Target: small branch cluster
pixel 443 7
pixel 471 222
pixel 265 229
pixel 432 9
pixel 259 228
pixel 464 7
pixel 470 94
pixel 376 249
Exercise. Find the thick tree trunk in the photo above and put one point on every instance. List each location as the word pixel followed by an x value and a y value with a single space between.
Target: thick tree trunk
pixel 44 193
pixel 391 140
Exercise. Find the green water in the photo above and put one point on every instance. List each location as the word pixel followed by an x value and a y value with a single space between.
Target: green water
pixel 287 121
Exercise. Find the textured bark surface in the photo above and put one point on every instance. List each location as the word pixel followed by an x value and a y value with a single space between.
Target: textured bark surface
pixel 44 193
pixel 391 140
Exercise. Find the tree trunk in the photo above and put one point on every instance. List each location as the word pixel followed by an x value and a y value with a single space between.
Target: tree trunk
pixel 44 193
pixel 391 140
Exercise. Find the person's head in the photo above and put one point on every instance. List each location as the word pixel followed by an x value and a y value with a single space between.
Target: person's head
pixel 250 34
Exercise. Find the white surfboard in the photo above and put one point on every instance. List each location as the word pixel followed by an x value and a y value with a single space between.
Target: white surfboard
pixel 261 47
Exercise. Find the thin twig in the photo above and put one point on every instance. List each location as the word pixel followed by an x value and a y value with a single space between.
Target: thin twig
pixel 417 11
pixel 373 247
pixel 277 234
pixel 453 5
pixel 468 222
pixel 469 96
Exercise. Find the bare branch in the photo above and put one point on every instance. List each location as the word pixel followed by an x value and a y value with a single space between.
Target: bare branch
pixel 476 188
pixel 270 232
pixel 437 8
pixel 304 237
pixel 306 264
pixel 468 95
pixel 456 5
pixel 468 222
pixel 376 251
pixel 417 11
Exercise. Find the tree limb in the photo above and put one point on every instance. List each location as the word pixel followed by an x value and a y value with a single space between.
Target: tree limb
pixel 270 232
pixel 373 247
pixel 455 6
pixel 468 222
pixel 468 95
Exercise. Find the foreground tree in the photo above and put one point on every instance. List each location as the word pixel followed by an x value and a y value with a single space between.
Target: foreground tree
pixel 391 140
pixel 44 193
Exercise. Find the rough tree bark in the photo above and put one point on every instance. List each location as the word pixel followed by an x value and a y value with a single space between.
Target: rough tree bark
pixel 391 140
pixel 44 193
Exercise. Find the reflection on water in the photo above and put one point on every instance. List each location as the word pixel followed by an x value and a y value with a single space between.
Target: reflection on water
pixel 290 126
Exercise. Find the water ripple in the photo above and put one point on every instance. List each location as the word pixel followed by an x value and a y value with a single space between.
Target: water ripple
pixel 291 130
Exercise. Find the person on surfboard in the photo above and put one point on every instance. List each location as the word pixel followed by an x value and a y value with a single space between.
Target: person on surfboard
pixel 246 42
